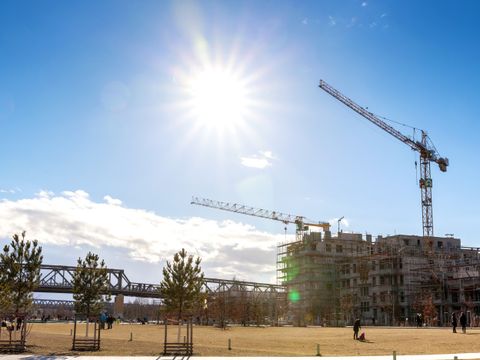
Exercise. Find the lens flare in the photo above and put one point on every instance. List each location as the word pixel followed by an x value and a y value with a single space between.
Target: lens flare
pixel 294 296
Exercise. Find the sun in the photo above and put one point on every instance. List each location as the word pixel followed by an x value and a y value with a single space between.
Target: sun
pixel 218 99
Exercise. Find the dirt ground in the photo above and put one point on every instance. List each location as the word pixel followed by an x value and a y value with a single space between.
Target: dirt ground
pixel 55 339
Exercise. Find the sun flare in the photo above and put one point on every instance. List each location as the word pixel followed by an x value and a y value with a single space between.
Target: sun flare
pixel 218 99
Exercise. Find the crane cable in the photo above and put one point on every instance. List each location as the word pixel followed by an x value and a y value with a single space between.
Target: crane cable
pixel 396 122
pixel 413 138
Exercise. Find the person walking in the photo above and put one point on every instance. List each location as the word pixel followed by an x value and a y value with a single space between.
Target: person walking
pixel 356 328
pixel 418 320
pixel 103 320
pixel 110 320
pixel 463 322
pixel 454 322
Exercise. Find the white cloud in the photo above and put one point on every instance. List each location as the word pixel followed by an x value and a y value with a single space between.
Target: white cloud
pixel 45 194
pixel 260 161
pixel 268 154
pixel 111 201
pixel 73 220
pixel 364 4
pixel 255 162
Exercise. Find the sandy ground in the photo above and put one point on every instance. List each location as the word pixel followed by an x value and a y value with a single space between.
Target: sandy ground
pixel 55 339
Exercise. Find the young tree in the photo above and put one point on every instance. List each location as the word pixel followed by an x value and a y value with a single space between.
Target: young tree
pixel 90 286
pixel 181 285
pixel 5 295
pixel 19 273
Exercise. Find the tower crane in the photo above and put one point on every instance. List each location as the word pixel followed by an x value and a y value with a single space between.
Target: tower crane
pixel 425 148
pixel 302 223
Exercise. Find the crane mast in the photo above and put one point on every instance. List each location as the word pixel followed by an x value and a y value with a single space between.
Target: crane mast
pixel 427 153
pixel 301 222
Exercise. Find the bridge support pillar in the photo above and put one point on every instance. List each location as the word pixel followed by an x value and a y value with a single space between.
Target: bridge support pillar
pixel 118 306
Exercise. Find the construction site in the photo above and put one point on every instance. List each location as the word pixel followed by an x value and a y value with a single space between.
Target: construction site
pixel 332 279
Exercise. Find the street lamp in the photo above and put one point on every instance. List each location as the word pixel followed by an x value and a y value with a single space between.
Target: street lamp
pixel 338 224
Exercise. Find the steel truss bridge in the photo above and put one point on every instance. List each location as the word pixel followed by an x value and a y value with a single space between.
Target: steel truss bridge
pixel 59 279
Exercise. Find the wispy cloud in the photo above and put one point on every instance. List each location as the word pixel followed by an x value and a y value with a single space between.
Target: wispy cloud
pixel 10 191
pixel 352 23
pixel 73 219
pixel 258 161
pixel 359 21
pixel 331 21
pixel 305 21
pixel 364 4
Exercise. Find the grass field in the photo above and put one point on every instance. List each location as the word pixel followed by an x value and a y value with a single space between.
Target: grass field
pixel 55 339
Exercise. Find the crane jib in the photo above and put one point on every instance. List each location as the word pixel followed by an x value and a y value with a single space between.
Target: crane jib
pixel 427 154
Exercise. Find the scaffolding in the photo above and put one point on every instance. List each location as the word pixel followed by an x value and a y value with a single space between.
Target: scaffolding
pixel 331 280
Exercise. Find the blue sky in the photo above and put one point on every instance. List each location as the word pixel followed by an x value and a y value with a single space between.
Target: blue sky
pixel 104 141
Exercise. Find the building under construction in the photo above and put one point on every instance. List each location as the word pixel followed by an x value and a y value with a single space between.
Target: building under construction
pixel 332 280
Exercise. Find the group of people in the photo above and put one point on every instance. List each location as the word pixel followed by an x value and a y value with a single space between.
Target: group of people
pixel 462 319
pixel 463 322
pixel 106 319
pixel 12 324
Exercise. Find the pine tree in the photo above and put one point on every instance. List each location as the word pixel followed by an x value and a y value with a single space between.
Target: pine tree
pixel 19 274
pixel 90 284
pixel 5 294
pixel 182 283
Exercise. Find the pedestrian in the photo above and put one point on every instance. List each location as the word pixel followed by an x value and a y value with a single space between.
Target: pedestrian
pixel 463 322
pixel 356 328
pixel 454 322
pixel 103 320
pixel 418 320
pixel 19 323
pixel 110 320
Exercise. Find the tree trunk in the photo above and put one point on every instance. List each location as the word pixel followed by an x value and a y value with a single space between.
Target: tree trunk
pixel 88 319
pixel 179 325
pixel 179 329
pixel 180 320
